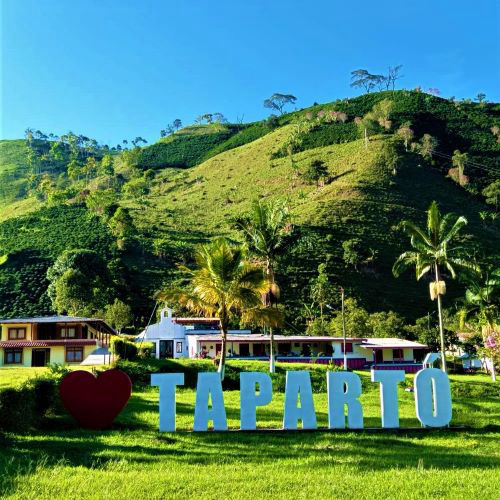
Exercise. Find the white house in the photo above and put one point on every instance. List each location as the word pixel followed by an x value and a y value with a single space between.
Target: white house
pixel 171 334
pixel 200 338
pixel 384 353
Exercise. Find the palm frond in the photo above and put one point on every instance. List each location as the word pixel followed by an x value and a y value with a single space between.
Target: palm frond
pixel 433 221
pixel 263 316
pixel 403 262
pixel 455 228
pixel 415 232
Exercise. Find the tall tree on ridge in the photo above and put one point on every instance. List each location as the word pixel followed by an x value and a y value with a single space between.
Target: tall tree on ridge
pixel 278 102
pixel 265 229
pixel 430 253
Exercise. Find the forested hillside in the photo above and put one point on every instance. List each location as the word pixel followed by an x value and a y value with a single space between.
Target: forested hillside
pixel 349 172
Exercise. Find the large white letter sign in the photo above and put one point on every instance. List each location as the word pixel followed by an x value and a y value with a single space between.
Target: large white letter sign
pixel 299 383
pixel 338 397
pixel 250 400
pixel 433 397
pixel 167 383
pixel 209 385
pixel 389 408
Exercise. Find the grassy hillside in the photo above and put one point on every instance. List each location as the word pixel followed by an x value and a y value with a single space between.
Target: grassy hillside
pixel 364 200
pixel 207 176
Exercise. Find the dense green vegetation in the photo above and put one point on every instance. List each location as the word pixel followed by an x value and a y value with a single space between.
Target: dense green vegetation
pixel 345 197
pixel 58 459
pixel 187 147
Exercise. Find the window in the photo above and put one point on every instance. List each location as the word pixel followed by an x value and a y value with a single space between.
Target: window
pixel 13 356
pixel 418 355
pixel 244 349
pixel 74 354
pixel 68 332
pixel 258 350
pixel 284 348
pixel 348 347
pixel 17 333
pixel 178 347
pixel 397 354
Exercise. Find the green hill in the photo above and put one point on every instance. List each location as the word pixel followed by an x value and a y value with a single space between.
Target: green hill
pixel 207 176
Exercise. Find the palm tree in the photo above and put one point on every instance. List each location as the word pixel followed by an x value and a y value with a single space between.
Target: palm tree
pixel 265 230
pixel 431 252
pixel 227 284
pixel 482 299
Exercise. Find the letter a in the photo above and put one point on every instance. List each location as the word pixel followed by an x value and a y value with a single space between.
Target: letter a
pixel 209 385
pixel 299 383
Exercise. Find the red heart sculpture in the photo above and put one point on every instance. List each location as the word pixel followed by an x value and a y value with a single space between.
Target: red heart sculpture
pixel 95 402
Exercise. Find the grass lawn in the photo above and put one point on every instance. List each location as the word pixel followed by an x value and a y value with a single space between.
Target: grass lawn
pixel 133 460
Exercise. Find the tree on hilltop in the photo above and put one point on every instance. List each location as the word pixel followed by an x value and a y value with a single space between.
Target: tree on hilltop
pixel 279 101
pixel 481 97
pixel 362 78
pixel 392 76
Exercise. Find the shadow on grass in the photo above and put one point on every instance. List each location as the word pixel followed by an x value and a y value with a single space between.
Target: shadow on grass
pixel 135 440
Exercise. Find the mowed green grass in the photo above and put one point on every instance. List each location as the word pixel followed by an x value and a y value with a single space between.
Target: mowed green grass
pixel 134 460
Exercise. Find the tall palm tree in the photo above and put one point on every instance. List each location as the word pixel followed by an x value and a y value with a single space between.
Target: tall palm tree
pixel 431 252
pixel 227 284
pixel 482 301
pixel 265 229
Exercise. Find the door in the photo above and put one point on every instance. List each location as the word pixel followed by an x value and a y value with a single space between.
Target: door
pixel 166 349
pixel 379 356
pixel 40 357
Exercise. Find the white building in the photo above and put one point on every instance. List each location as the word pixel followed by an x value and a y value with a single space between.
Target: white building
pixel 384 353
pixel 170 335
pixel 200 338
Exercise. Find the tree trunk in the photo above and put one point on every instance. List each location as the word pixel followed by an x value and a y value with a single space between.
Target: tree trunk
pixel 441 329
pixel 269 303
pixel 366 138
pixel 222 360
pixel 272 367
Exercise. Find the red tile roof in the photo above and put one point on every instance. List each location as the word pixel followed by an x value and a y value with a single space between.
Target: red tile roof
pixel 47 343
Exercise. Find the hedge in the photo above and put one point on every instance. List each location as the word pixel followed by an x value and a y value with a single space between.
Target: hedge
pixel 123 348
pixel 140 372
pixel 25 407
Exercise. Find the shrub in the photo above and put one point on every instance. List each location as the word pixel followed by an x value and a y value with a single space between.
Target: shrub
pixel 140 372
pixel 45 394
pixel 316 172
pixel 24 407
pixel 124 349
pixel 145 350
pixel 17 409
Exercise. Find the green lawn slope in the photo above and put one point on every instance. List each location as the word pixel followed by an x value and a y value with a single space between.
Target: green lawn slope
pixel 135 460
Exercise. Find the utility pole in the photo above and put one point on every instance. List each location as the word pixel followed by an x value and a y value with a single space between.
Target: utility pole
pixel 343 328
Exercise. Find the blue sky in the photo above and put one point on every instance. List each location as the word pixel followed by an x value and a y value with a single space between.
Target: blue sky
pixel 115 69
